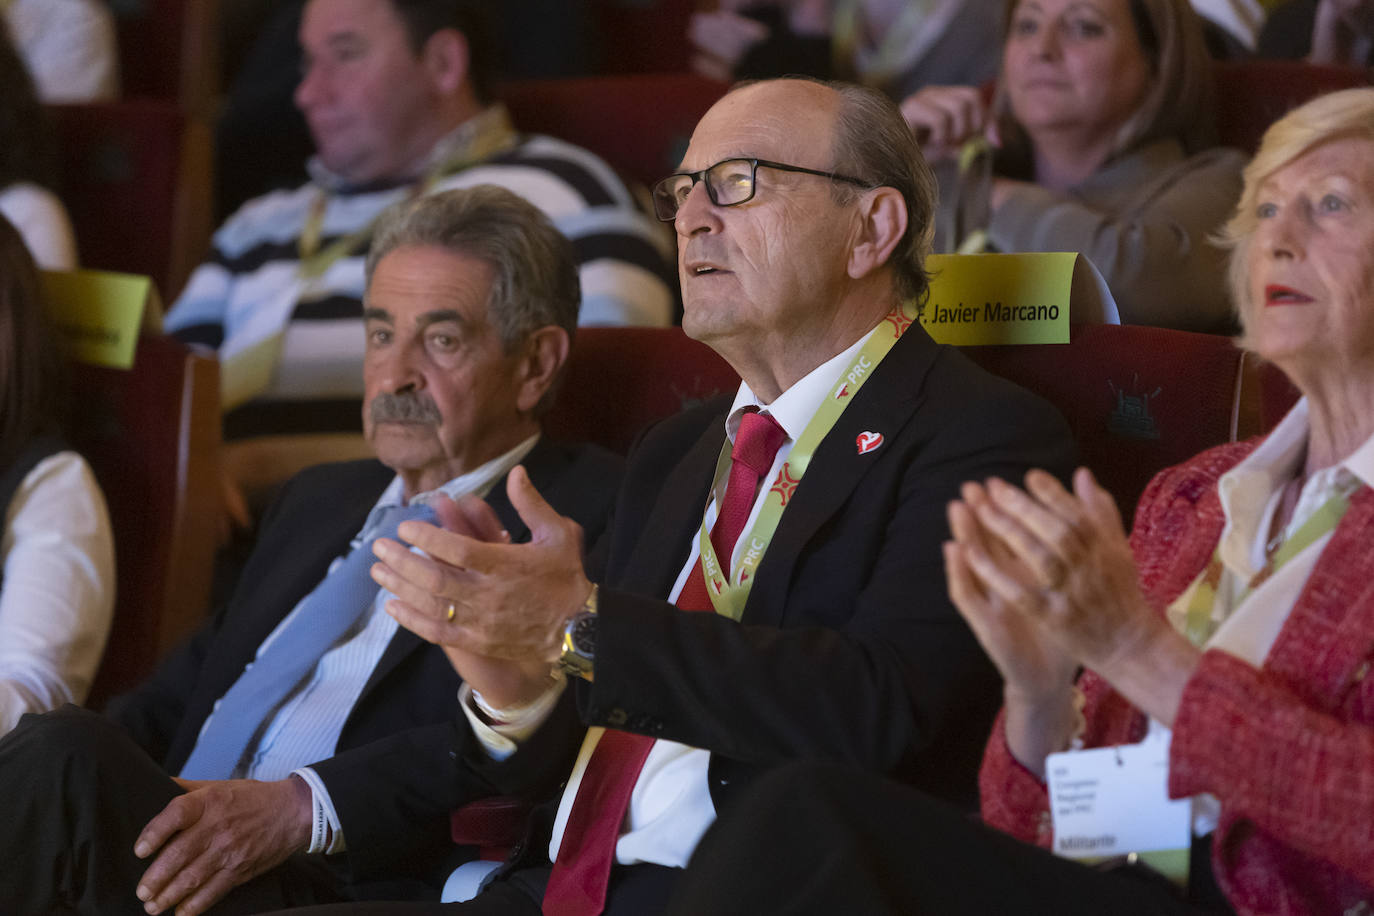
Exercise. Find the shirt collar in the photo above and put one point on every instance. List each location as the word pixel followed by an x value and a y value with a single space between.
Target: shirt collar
pixel 1361 462
pixel 488 125
pixel 1247 490
pixel 795 407
pixel 477 482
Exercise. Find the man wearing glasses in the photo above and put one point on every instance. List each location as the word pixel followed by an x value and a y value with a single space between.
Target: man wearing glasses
pixel 773 586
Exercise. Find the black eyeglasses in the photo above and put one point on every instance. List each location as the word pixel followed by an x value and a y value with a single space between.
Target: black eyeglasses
pixel 728 183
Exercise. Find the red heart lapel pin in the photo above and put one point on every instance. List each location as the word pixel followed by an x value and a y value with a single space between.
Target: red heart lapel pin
pixel 867 442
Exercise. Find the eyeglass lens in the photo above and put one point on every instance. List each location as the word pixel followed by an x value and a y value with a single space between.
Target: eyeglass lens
pixel 727 183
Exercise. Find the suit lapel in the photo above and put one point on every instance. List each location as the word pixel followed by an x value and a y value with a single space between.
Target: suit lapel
pixel 886 404
pixel 657 558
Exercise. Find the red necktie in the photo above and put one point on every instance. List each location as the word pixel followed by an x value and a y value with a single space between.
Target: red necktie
pixel 577 885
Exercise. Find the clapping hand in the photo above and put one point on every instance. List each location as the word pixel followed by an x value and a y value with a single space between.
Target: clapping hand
pixel 1046 581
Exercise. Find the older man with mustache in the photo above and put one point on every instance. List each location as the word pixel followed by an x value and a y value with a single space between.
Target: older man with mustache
pixel 472 299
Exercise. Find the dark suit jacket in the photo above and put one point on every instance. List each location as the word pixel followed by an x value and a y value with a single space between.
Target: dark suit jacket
pixel 848 649
pixel 413 687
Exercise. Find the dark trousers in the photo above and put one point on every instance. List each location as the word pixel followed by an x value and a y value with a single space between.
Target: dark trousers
pixel 635 890
pixel 814 839
pixel 76 793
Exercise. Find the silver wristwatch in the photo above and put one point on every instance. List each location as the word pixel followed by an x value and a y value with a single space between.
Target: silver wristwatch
pixel 579 640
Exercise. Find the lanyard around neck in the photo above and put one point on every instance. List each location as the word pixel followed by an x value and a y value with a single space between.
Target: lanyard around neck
pixel 1200 625
pixel 491 135
pixel 730 593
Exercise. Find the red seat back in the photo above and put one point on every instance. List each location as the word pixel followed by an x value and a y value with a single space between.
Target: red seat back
pixel 639 124
pixel 645 37
pixel 152 434
pixel 134 176
pixel 619 380
pixel 1138 399
pixel 1252 94
pixel 167 50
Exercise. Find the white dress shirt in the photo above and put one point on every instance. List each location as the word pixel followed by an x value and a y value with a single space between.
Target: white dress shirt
pixel 59 587
pixel 43 224
pixel 671 807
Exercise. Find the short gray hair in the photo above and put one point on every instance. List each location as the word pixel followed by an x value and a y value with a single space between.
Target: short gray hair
pixel 874 144
pixel 535 282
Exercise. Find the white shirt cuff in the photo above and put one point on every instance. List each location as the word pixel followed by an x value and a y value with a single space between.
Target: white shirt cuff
pixel 326 834
pixel 500 731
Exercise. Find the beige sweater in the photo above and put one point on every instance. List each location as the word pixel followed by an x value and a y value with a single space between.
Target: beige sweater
pixel 1144 219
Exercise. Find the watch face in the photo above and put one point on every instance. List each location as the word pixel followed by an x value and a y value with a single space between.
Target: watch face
pixel 584 635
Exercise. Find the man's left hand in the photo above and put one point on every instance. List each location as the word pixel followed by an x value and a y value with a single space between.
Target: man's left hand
pixel 217 836
pixel 498 600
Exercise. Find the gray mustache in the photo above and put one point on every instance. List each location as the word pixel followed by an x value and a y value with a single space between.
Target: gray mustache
pixel 406 407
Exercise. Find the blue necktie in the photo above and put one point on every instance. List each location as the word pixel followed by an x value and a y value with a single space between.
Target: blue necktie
pixel 326 615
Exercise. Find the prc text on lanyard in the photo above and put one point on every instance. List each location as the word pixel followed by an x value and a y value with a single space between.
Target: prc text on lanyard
pixel 729 593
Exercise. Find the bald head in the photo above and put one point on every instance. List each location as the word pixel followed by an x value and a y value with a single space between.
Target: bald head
pixel 798 115
pixel 779 280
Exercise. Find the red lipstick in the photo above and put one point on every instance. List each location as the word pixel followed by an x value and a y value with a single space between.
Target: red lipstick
pixel 1275 294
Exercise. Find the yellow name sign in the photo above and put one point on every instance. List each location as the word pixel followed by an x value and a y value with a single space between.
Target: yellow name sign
pixel 100 314
pixel 980 299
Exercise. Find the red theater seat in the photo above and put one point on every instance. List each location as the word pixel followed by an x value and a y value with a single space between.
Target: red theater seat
pixel 135 178
pixel 645 37
pixel 639 124
pixel 151 434
pixel 167 50
pixel 1138 399
pixel 619 380
pixel 1252 94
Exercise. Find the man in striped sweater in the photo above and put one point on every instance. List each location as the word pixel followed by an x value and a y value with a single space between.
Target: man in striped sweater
pixel 397 97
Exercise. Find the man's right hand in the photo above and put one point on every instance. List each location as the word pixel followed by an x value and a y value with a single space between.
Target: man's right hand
pixel 503 680
pixel 217 836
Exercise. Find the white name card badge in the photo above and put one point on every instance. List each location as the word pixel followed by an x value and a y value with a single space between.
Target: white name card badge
pixel 1114 801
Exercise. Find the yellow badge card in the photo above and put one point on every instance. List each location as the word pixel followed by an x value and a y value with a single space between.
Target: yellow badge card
pixel 100 314
pixel 982 299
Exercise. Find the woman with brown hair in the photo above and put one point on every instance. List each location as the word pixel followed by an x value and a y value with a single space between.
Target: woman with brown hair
pixel 1097 140
pixel 56 551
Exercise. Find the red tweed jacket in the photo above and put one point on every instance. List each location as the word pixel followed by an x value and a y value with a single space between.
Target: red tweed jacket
pixel 1288 748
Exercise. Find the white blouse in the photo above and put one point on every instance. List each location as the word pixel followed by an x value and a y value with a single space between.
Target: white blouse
pixel 57 597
